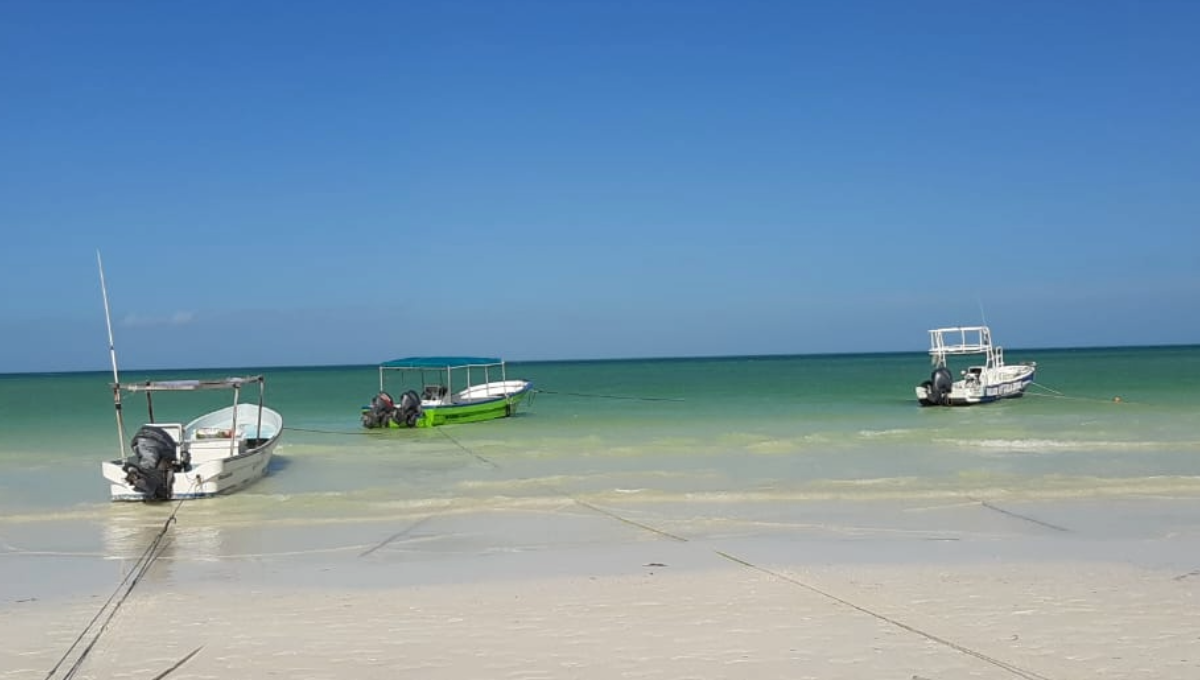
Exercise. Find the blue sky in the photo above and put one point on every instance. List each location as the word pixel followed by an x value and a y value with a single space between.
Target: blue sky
pixel 306 183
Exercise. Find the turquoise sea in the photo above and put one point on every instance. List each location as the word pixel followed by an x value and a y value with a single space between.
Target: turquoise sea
pixel 651 437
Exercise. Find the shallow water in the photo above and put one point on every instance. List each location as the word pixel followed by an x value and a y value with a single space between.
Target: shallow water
pixel 672 440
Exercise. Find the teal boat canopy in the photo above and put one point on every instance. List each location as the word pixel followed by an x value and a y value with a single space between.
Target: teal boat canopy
pixel 440 362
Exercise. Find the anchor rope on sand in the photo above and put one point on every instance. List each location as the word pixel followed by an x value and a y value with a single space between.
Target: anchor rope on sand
pixel 1017 515
pixel 110 607
pixel 559 492
pixel 1011 668
pixel 999 663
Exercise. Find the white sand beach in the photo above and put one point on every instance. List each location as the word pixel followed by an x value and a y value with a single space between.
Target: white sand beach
pixel 937 606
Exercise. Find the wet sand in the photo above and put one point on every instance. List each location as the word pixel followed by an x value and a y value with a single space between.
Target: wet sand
pixel 966 588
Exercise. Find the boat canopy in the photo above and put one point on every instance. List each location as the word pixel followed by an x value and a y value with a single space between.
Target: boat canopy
pixel 190 385
pixel 149 387
pixel 441 362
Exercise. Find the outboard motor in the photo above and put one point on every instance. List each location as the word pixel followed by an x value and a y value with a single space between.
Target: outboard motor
pixel 409 411
pixel 382 409
pixel 152 470
pixel 941 383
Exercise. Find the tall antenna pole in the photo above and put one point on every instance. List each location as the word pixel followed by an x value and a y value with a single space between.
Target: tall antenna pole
pixel 112 353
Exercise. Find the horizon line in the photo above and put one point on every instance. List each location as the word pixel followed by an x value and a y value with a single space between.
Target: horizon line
pixel 695 357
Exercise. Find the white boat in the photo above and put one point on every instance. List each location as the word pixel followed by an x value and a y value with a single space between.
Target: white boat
pixel 992 381
pixel 216 453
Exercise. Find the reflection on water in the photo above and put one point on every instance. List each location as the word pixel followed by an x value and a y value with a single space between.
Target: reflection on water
pixel 131 540
pixel 225 539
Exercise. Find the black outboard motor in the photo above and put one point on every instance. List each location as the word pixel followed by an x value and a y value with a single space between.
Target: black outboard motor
pixel 152 470
pixel 409 410
pixel 381 411
pixel 941 383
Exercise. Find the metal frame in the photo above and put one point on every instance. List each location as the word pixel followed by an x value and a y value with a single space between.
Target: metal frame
pixel 449 373
pixel 149 387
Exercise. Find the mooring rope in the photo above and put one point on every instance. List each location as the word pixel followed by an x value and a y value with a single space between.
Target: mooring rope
pixel 1055 394
pixel 1011 668
pixel 177 664
pixel 1017 515
pixel 999 663
pixel 346 432
pixel 533 393
pixel 465 449
pixel 609 396
pixel 113 603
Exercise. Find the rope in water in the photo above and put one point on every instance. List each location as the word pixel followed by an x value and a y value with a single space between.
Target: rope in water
pixel 535 392
pixel 1055 394
pixel 608 396
pixel 347 432
pixel 999 663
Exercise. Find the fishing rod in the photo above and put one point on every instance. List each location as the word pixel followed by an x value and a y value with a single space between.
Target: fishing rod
pixel 112 353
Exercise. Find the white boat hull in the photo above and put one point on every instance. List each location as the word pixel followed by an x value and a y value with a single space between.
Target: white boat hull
pixel 1007 382
pixel 492 390
pixel 218 464
pixel 981 384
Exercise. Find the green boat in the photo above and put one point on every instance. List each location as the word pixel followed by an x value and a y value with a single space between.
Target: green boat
pixel 443 390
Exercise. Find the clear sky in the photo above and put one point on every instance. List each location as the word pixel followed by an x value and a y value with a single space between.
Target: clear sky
pixel 306 183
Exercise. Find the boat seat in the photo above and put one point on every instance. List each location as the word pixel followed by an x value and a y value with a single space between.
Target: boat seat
pixel 204 450
pixel 435 392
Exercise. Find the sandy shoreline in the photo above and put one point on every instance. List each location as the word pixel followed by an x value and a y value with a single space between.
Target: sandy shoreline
pixel 1059 620
pixel 1113 592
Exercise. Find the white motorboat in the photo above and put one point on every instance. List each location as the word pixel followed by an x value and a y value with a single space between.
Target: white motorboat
pixel 216 453
pixel 978 384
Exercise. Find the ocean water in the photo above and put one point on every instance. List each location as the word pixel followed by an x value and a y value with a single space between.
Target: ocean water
pixel 665 439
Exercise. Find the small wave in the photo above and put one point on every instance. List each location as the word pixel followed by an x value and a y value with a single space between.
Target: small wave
pixel 97 512
pixel 773 446
pixel 894 432
pixel 1049 444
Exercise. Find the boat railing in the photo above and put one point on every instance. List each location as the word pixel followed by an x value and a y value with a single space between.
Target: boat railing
pixel 970 340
